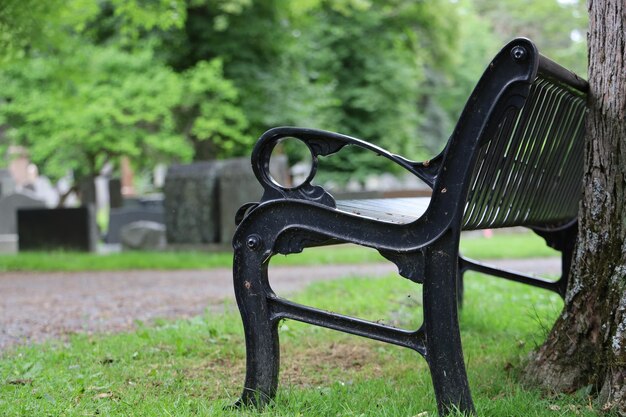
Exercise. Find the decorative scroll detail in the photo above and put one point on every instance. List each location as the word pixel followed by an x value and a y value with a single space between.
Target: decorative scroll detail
pixel 306 192
pixel 428 170
pixel 410 265
pixel 243 211
pixel 294 241
pixel 320 143
pixel 558 237
pixel 324 147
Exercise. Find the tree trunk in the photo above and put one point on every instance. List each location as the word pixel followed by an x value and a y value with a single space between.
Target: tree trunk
pixel 587 346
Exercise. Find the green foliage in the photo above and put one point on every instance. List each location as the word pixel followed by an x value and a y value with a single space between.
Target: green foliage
pixel 377 55
pixel 256 42
pixel 207 114
pixel 80 105
pixel 558 27
pixel 86 81
pixel 144 15
pixel 77 105
pixel 351 66
pixel 22 24
pixel 91 106
pixel 444 92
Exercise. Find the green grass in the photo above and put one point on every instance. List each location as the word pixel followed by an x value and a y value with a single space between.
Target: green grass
pixel 196 367
pixel 500 246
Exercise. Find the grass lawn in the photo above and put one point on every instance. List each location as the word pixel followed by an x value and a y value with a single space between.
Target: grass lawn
pixel 196 367
pixel 500 246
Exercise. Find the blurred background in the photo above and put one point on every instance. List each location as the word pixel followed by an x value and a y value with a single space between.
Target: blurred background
pixel 131 121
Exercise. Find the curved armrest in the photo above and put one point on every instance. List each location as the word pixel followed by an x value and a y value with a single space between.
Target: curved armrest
pixel 321 143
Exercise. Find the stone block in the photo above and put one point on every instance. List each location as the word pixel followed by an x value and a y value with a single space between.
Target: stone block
pixel 191 203
pixel 201 199
pixel 237 186
pixel 72 229
pixel 8 210
pixel 7 183
pixel 143 235
pixel 120 217
pixel 115 193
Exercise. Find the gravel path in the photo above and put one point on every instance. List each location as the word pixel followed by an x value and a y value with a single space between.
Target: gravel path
pixel 40 306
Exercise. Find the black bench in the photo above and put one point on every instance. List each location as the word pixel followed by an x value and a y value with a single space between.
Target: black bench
pixel 515 158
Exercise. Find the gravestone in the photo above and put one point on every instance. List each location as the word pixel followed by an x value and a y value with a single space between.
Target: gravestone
pixel 151 201
pixel 115 193
pixel 143 235
pixel 145 201
pixel 87 190
pixel 201 199
pixel 238 185
pixel 8 210
pixel 46 229
pixel 191 203
pixel 120 217
pixel 7 183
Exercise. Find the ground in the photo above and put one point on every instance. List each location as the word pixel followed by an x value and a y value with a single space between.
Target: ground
pixel 39 306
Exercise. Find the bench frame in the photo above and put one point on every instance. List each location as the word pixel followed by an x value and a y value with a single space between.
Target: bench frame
pixel 287 220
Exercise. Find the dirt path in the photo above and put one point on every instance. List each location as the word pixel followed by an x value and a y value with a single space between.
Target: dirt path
pixel 40 306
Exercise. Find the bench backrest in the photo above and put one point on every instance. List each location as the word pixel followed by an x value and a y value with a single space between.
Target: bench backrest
pixel 529 170
pixel 516 154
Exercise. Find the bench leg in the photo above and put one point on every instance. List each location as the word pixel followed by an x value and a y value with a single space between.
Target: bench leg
pixel 443 340
pixel 460 284
pixel 261 332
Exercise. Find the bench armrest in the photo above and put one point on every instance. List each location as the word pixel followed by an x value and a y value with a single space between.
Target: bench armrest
pixel 321 143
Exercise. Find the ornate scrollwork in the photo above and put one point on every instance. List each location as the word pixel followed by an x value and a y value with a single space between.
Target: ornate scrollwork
pixel 294 241
pixel 324 147
pixel 410 265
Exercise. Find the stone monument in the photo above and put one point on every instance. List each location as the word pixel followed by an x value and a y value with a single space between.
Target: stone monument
pixel 201 199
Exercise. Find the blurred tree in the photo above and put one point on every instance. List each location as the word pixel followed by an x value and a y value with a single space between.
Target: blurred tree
pixel 559 27
pixel 90 107
pixel 25 24
pixel 207 114
pixel 380 55
pixel 77 105
pixel 257 42
pixel 444 92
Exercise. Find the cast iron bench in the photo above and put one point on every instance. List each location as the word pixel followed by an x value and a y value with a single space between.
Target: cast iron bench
pixel 515 158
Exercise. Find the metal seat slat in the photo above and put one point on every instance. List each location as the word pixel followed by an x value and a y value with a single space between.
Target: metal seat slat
pixel 391 210
pixel 528 156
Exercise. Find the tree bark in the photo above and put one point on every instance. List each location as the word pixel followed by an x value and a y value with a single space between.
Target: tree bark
pixel 587 346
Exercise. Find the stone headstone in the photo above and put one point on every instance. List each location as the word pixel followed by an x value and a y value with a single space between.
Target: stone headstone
pixel 191 203
pixel 120 217
pixel 201 199
pixel 57 229
pixel 87 190
pixel 146 201
pixel 8 210
pixel 115 193
pixel 151 201
pixel 237 186
pixel 7 183
pixel 143 235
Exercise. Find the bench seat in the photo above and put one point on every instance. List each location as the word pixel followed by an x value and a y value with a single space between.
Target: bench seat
pixel 389 210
